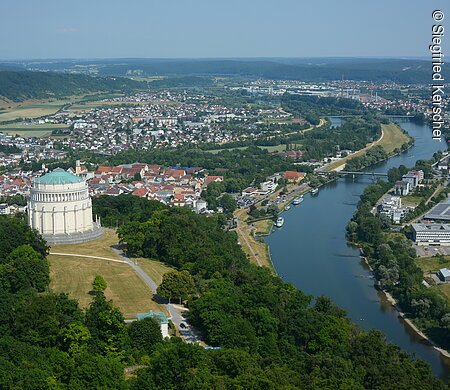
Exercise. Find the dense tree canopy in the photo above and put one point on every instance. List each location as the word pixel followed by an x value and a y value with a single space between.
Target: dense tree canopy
pixel 279 338
pixel 270 335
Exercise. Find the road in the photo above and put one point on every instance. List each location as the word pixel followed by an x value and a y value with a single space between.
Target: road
pixel 343 160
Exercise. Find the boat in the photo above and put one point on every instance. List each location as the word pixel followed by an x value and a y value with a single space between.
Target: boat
pixel 287 207
pixel 279 222
pixel 298 200
pixel 314 191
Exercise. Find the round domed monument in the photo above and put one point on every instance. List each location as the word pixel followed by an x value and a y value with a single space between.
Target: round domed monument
pixel 60 208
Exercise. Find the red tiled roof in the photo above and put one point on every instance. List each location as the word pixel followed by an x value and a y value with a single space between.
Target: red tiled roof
pixel 293 175
pixel 140 192
pixel 177 173
pixel 210 179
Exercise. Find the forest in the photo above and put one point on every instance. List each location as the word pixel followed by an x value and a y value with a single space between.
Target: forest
pixel 22 85
pixel 321 105
pixel 270 334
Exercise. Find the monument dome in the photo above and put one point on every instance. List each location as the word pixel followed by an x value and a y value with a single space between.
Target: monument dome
pixel 60 208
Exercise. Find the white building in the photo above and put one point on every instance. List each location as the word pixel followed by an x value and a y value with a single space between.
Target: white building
pixel 413 178
pixel 60 208
pixel 431 234
pixel 392 207
pixel 268 186
pixel 402 188
pixel 4 209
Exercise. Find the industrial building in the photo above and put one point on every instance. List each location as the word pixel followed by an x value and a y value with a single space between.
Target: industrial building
pixel 431 234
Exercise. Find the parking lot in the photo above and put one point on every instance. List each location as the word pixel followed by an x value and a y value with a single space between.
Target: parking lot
pixel 428 251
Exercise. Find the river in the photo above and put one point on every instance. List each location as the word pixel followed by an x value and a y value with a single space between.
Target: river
pixel 311 252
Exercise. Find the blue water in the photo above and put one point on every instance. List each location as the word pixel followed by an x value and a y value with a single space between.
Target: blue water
pixel 311 251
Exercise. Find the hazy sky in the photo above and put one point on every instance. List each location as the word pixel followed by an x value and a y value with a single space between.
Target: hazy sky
pixel 213 28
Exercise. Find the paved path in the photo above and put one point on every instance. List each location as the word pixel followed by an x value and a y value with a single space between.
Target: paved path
pixel 87 256
pixel 149 281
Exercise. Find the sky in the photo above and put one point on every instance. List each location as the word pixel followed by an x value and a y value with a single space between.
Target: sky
pixel 32 29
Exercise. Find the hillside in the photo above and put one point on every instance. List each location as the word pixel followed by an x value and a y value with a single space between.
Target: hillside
pixel 22 85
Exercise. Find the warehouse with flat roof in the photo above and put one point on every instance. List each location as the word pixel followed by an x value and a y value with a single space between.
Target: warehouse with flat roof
pixel 440 212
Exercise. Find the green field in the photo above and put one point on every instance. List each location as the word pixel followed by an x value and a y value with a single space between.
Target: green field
pixel 100 247
pixel 32 109
pixel 433 264
pixel 153 268
pixel 412 199
pixel 74 275
pixel 443 289
pixel 393 137
pixel 34 130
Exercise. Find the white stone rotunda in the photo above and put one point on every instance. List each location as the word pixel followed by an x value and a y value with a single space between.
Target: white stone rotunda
pixel 60 208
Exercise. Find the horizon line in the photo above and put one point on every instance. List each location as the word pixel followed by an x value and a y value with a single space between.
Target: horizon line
pixel 213 58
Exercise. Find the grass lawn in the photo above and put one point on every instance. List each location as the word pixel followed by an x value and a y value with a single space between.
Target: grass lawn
pixel 393 138
pixel 444 289
pixel 433 264
pixel 263 227
pixel 393 235
pixel 100 247
pixel 35 130
pixel 153 268
pixel 412 199
pixel 275 148
pixel 74 275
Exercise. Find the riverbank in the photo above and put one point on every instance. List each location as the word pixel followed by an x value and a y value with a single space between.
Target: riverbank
pixel 251 232
pixel 413 327
pixel 402 315
pixel 329 266
pixel 392 138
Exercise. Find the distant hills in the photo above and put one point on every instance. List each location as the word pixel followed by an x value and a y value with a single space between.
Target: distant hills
pixel 313 69
pixel 59 78
pixel 21 85
pixel 401 71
